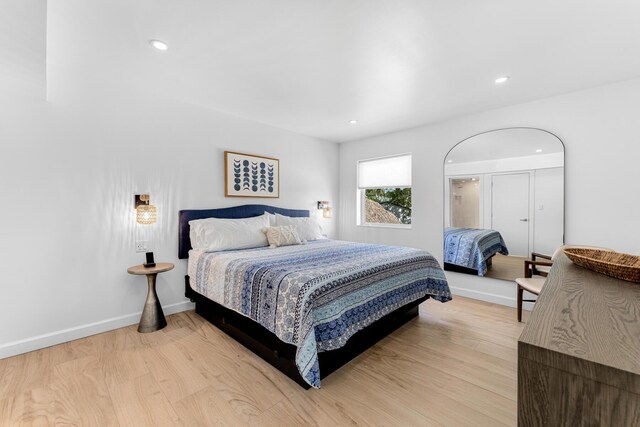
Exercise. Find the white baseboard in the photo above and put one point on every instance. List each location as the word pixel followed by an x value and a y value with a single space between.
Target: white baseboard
pixel 489 297
pixel 47 340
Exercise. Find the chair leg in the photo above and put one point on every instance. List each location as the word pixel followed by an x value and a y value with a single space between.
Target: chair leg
pixel 519 297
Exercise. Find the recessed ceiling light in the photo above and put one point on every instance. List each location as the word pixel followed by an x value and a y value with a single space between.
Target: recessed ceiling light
pixel 539 150
pixel 502 79
pixel 353 122
pixel 449 161
pixel 160 45
pixel 473 179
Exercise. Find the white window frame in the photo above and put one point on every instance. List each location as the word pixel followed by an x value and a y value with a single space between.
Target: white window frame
pixel 361 213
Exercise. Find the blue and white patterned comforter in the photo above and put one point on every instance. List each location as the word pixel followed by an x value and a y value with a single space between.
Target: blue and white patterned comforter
pixel 472 247
pixel 316 296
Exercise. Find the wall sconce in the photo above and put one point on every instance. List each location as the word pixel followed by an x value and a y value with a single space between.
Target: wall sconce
pixel 145 213
pixel 326 209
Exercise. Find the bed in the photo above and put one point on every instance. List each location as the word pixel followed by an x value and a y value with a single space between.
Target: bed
pixel 470 250
pixel 307 309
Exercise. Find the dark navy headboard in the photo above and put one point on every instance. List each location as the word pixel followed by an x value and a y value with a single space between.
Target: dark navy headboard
pixel 244 211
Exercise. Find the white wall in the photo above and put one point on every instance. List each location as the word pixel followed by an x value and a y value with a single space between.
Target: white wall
pixel 548 214
pixel 23 36
pixel 68 171
pixel 600 132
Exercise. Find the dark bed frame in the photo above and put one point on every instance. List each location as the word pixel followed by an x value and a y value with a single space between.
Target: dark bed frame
pixel 466 270
pixel 259 339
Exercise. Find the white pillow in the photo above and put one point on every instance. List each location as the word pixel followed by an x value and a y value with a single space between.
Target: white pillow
pixel 272 219
pixel 221 234
pixel 307 227
pixel 282 236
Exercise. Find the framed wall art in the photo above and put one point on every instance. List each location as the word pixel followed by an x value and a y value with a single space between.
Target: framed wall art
pixel 247 175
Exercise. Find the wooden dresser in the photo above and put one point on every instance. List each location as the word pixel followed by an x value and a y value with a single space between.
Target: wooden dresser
pixel 579 353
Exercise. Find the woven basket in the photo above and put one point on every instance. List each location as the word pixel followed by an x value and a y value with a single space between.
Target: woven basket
pixel 614 264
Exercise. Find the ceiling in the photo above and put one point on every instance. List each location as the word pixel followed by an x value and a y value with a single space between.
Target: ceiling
pixel 311 66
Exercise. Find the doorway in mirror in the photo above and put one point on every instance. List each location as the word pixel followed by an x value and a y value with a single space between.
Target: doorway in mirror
pixel 465 202
pixel 504 199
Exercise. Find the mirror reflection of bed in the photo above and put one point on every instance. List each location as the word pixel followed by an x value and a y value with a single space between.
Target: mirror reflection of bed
pixel 504 199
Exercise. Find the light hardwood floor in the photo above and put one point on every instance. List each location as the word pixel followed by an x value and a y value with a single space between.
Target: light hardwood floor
pixel 455 365
pixel 506 267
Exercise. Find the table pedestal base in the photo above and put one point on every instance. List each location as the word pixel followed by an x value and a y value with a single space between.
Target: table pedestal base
pixel 152 316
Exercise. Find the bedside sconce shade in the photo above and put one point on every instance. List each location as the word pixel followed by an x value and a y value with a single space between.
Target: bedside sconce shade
pixel 326 209
pixel 146 213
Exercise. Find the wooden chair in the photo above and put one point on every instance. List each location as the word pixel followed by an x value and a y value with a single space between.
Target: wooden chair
pixel 535 273
pixel 541 269
pixel 530 283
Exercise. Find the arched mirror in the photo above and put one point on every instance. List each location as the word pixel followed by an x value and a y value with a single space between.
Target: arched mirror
pixel 504 199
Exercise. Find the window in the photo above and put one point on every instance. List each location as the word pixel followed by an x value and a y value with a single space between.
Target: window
pixel 384 191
